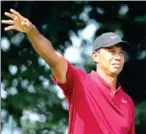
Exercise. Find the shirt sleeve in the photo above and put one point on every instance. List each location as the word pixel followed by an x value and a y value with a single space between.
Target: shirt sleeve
pixel 132 129
pixel 74 78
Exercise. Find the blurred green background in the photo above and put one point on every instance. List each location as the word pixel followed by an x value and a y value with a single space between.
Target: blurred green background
pixel 30 102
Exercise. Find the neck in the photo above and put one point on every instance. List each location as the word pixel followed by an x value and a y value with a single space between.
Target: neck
pixel 111 80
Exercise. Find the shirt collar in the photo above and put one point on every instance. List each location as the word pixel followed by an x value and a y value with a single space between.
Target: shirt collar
pixel 102 81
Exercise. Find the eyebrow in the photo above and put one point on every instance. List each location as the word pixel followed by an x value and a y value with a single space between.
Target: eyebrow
pixel 112 47
pixel 109 48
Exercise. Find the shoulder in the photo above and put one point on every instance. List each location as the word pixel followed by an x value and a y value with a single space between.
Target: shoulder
pixel 76 71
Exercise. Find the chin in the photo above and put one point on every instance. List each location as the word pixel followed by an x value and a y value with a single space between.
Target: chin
pixel 115 72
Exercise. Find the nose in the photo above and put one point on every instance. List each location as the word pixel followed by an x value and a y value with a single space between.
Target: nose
pixel 118 57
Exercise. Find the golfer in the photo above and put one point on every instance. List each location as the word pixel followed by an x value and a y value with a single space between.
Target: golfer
pixel 97 102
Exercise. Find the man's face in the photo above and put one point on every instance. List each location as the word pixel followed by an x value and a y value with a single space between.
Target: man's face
pixel 110 59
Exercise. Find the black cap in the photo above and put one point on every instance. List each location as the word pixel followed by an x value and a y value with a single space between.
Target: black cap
pixel 107 40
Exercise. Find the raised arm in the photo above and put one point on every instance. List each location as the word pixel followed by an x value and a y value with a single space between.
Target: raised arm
pixel 41 45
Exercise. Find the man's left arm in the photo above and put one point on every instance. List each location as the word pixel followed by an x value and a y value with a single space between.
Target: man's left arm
pixel 132 129
pixel 133 112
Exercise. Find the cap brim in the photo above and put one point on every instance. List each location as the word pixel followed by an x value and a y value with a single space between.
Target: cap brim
pixel 125 45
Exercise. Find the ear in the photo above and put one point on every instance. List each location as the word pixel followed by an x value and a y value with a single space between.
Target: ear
pixel 95 56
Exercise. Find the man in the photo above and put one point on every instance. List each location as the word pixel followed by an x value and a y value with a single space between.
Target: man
pixel 97 102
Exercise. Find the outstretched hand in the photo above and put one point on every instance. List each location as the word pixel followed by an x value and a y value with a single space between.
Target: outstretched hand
pixel 17 22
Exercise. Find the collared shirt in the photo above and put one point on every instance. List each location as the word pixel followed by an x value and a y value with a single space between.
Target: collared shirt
pixel 93 109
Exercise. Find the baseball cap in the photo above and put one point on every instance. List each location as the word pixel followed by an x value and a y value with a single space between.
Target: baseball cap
pixel 107 40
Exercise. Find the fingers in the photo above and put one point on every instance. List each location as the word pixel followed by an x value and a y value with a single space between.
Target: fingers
pixel 9 28
pixel 10 15
pixel 15 13
pixel 11 22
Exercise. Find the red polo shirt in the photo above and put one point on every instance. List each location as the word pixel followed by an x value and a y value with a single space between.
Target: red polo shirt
pixel 92 107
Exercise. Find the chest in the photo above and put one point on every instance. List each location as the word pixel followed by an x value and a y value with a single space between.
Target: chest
pixel 106 107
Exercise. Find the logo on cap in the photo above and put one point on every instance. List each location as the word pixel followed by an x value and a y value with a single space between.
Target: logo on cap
pixel 112 37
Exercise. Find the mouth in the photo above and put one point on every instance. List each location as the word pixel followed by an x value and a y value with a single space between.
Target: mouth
pixel 116 65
